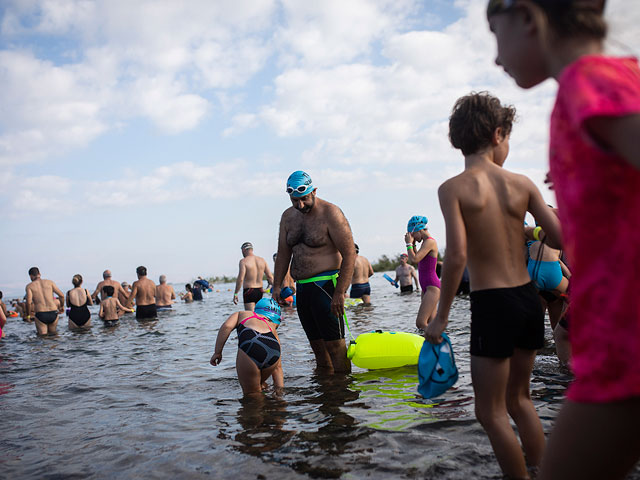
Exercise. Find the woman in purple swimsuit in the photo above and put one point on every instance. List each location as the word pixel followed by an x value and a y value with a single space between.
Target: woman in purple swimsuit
pixel 427 258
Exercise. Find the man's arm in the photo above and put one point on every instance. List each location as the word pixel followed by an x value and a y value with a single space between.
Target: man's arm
pixel 97 291
pixel 370 274
pixel 27 305
pixel 132 295
pixel 267 272
pixel 60 295
pixel 173 294
pixel 454 261
pixel 414 275
pixel 283 259
pixel 242 270
pixel 340 233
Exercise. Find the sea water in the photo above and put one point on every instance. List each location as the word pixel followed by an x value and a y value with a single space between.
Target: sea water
pixel 140 400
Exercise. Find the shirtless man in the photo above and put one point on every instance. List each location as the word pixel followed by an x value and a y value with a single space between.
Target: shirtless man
pixel 318 236
pixel 165 294
pixel 405 273
pixel 106 275
pixel 251 270
pixel 360 287
pixel 40 292
pixel 144 292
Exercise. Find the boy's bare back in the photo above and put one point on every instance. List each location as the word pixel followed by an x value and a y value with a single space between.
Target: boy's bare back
pixel 492 203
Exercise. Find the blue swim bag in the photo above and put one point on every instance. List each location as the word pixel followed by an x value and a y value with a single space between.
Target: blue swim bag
pixel 437 369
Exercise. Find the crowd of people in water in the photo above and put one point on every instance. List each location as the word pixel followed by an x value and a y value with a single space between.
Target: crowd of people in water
pixel 514 271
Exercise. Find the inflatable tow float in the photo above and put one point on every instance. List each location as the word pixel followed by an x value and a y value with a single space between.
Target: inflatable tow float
pixel 376 350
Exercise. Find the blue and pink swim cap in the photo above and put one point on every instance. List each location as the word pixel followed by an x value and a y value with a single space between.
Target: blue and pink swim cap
pixel 299 184
pixel 417 223
pixel 268 307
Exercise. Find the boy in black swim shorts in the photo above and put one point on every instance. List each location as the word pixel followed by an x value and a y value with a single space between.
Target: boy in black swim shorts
pixel 484 209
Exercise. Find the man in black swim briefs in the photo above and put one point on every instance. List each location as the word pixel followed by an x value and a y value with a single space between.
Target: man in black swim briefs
pixel 315 237
pixel 40 292
pixel 143 291
pixel 360 287
pixel 251 271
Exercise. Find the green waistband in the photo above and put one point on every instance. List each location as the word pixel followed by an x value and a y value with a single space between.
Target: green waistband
pixel 319 278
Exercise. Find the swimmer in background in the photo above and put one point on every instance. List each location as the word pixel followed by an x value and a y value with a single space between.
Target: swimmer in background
pixel 123 294
pixel 251 271
pixel 40 292
pixel 188 295
pixel 3 322
pixel 405 273
pixel 77 299
pixel 259 351
pixel 484 209
pixel 362 270
pixel 165 294
pixel 427 258
pixel 110 306
pixel 3 307
pixel 107 280
pixel 143 291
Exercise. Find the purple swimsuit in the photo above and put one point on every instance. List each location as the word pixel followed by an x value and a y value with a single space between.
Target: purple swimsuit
pixel 427 272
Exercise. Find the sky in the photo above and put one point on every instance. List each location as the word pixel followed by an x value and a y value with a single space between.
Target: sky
pixel 161 133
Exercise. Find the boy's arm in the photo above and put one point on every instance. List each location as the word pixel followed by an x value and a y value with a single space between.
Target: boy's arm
pixel 454 261
pixel 223 335
pixel 120 306
pixel 545 217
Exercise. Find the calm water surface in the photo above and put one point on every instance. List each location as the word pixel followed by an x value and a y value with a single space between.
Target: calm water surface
pixel 141 400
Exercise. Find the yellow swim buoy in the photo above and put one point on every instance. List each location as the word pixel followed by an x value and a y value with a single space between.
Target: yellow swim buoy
pixel 380 349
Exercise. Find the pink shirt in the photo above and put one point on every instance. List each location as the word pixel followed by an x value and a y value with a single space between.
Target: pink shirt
pixel 598 197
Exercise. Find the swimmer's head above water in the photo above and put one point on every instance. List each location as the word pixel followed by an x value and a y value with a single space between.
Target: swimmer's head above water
pixel 417 223
pixel 269 308
pixel 301 191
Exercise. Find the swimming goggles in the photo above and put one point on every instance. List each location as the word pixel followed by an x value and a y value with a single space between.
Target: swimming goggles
pixel 299 189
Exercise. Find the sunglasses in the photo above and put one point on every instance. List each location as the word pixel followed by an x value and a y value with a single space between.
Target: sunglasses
pixel 299 189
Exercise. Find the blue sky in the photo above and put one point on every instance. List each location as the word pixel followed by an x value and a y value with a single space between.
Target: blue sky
pixel 161 133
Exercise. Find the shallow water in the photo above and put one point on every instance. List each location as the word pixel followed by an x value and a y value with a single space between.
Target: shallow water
pixel 141 400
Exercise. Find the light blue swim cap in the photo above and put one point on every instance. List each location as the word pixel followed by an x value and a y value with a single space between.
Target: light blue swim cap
pixel 417 223
pixel 299 184
pixel 268 307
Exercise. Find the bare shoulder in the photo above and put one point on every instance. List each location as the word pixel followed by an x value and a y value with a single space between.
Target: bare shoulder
pixel 333 213
pixel 452 186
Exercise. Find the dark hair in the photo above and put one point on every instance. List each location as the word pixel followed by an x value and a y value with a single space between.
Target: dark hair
pixel 357 247
pixel 142 271
pixel 108 289
pixel 475 118
pixel 577 18
pixel 0 294
pixel 77 280
pixel 188 287
pixel 33 271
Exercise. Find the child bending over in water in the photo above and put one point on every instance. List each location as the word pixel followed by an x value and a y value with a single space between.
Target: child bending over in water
pixel 484 209
pixel 110 305
pixel 595 169
pixel 258 346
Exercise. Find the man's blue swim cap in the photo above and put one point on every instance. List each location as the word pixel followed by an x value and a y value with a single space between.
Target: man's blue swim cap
pixel 268 307
pixel 417 223
pixel 299 184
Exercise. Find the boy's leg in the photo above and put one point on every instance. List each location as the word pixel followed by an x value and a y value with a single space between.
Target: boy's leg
pixel 520 406
pixel 490 377
pixel 593 441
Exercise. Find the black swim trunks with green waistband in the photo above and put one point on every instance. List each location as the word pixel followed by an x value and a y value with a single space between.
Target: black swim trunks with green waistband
pixel 313 302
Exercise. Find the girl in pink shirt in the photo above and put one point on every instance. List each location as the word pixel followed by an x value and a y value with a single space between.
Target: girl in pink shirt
pixel 595 169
